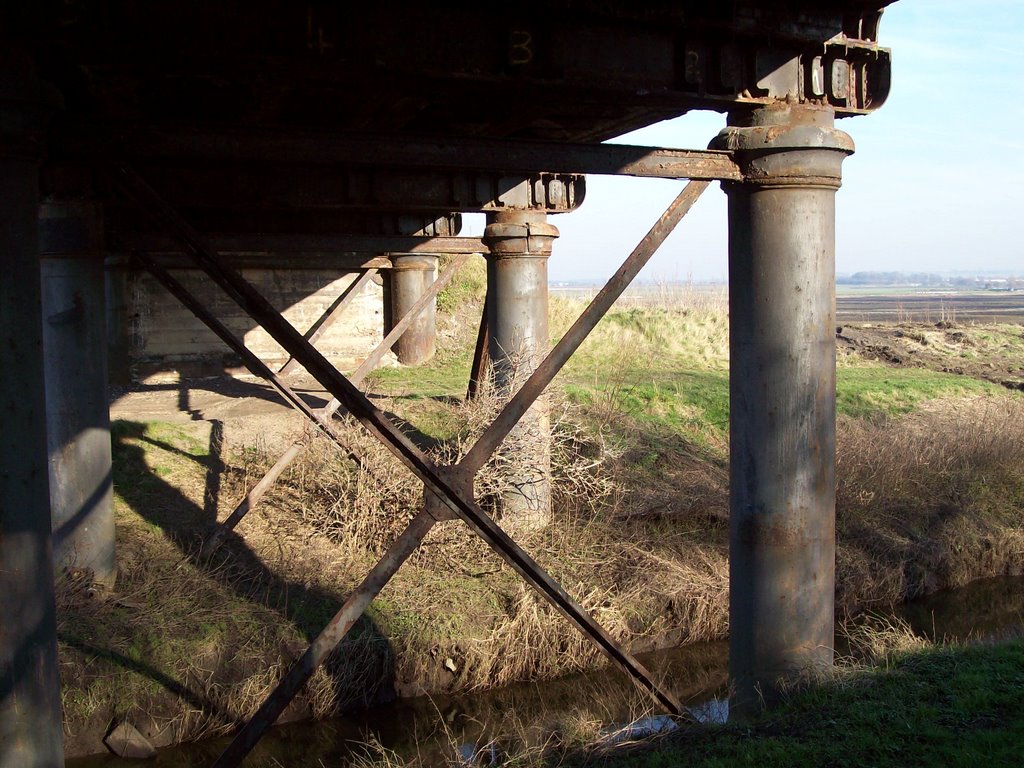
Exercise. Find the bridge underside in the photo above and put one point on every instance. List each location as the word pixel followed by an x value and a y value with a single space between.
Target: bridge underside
pixel 229 135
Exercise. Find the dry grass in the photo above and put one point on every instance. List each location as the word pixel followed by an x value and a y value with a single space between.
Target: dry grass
pixel 639 536
pixel 930 500
pixel 694 334
pixel 638 585
pixel 926 500
pixel 874 639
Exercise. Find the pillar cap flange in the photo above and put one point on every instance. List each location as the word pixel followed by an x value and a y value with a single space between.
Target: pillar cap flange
pixel 787 145
pixel 423 262
pixel 523 239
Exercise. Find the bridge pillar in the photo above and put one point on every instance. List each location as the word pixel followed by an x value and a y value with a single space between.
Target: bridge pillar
pixel 30 715
pixel 77 411
pixel 410 276
pixel 519 245
pixel 782 395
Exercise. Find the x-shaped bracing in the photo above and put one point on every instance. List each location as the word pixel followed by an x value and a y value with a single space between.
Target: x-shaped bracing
pixel 436 480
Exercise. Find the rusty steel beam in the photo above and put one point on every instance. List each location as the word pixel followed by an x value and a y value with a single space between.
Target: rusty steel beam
pixel 269 185
pixel 322 251
pixel 585 323
pixel 250 300
pixel 295 449
pixel 258 368
pixel 478 369
pixel 321 326
pixel 513 157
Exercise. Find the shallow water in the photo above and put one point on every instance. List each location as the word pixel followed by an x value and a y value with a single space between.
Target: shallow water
pixel 475 727
pixel 983 610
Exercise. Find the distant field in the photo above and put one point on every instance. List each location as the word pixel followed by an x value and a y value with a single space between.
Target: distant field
pixel 853 304
pixel 989 307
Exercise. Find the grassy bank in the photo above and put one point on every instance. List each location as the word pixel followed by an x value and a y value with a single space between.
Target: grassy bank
pixel 913 704
pixel 931 494
pixel 948 706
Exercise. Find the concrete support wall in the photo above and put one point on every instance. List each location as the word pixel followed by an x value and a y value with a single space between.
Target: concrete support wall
pixel 410 277
pixel 165 339
pixel 782 396
pixel 77 413
pixel 30 716
pixel 517 305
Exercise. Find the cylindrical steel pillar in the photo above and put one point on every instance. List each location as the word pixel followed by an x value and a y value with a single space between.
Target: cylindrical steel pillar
pixel 782 395
pixel 410 276
pixel 519 245
pixel 77 412
pixel 30 714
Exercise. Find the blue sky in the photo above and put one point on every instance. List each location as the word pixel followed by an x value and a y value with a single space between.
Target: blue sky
pixel 933 186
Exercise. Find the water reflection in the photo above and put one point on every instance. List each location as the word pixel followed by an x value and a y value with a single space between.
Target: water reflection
pixel 987 609
pixel 478 729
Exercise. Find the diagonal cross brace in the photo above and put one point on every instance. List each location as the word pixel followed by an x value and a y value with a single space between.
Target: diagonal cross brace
pixel 256 366
pixel 296 448
pixel 542 376
pixel 375 422
pixel 321 326
pixel 479 366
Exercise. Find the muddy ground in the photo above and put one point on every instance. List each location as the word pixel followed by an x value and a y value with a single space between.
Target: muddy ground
pixel 987 352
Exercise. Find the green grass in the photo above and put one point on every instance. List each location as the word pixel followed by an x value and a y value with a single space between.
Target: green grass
pixel 866 390
pixel 667 371
pixel 946 706
pixel 652 381
pixel 445 375
pixel 469 286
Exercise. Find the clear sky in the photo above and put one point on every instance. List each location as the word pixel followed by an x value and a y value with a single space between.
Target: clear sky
pixel 934 184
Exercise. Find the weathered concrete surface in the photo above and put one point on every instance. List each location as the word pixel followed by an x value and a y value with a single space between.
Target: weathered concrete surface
pixel 126 741
pixel 165 339
pixel 249 410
